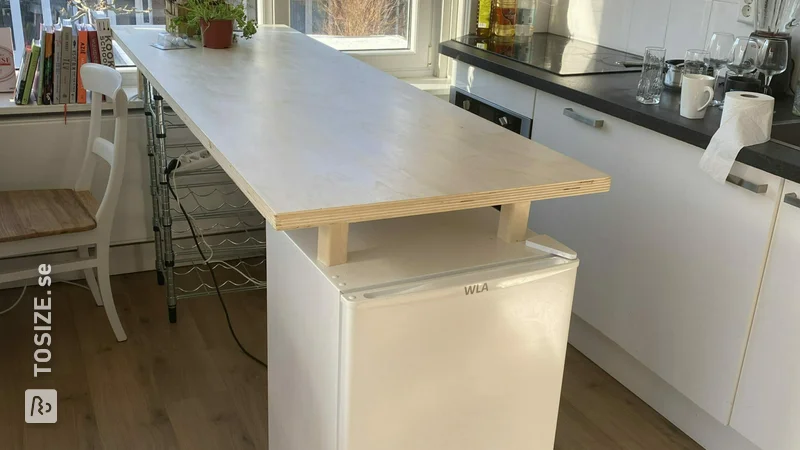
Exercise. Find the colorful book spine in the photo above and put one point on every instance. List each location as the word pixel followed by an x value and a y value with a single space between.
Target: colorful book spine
pixel 73 68
pixel 39 85
pixel 94 47
pixel 26 96
pixel 83 58
pixel 56 66
pixel 66 49
pixel 23 71
pixel 103 27
pixel 49 40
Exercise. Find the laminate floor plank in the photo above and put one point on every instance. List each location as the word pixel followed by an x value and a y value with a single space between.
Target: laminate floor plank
pixel 187 386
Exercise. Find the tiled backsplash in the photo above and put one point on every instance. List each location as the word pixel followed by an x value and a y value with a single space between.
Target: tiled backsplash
pixel 634 24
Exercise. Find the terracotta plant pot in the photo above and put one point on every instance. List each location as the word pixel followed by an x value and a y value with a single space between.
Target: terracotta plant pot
pixel 217 33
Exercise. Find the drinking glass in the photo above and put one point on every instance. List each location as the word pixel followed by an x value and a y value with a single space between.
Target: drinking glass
pixel 651 83
pixel 743 56
pixel 772 59
pixel 695 61
pixel 719 48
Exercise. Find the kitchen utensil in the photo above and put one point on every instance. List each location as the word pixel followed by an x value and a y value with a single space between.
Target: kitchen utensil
pixel 773 56
pixel 673 73
pixel 774 17
pixel 697 93
pixel 736 83
pixel 651 82
pixel 695 61
pixel 719 48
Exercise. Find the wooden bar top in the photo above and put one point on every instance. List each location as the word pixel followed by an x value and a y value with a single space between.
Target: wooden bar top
pixel 314 137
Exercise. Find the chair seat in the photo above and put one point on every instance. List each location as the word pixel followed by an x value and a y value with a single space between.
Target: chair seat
pixel 39 213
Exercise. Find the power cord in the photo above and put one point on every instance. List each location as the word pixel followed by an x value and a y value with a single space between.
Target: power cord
pixel 16 302
pixel 168 171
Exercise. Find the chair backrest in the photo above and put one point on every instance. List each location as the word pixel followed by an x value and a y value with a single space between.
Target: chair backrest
pixel 104 81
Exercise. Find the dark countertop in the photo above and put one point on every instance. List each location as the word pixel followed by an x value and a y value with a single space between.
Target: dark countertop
pixel 614 94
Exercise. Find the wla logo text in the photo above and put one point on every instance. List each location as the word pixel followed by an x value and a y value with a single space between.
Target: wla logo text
pixel 475 288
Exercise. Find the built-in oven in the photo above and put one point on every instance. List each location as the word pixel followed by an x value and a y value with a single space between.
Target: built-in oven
pixel 490 111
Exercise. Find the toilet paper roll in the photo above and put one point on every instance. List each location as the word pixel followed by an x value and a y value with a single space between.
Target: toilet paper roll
pixel 746 120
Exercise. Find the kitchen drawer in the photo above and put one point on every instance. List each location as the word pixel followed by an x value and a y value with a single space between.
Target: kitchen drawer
pixel 671 261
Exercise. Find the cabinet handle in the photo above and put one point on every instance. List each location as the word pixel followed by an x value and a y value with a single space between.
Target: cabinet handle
pixel 749 185
pixel 596 123
pixel 791 198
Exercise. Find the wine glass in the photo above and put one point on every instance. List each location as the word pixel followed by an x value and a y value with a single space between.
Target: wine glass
pixel 719 47
pixel 743 56
pixel 695 61
pixel 772 59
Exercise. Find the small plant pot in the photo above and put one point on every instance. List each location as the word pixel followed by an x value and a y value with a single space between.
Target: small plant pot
pixel 217 33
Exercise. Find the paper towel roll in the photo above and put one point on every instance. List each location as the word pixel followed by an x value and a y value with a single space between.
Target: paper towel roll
pixel 746 120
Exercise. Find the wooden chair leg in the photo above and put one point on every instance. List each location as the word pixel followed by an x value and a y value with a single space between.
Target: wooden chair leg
pixel 88 274
pixel 104 279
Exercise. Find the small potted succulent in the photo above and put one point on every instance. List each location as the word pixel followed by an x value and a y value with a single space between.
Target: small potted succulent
pixel 215 20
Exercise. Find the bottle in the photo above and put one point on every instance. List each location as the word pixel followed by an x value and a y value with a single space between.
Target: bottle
pixel 484 23
pixel 505 18
pixel 526 11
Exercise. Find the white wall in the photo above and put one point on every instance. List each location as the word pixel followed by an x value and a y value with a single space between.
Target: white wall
pixel 634 24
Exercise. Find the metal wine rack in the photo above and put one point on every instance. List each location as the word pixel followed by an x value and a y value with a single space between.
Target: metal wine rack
pixel 231 232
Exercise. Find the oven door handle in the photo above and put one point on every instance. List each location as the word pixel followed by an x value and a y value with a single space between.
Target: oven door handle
pixel 596 123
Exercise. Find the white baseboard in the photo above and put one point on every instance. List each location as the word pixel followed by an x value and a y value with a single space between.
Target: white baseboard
pixel 661 396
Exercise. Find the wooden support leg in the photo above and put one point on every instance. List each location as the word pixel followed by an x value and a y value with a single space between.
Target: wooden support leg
pixel 513 222
pixel 332 244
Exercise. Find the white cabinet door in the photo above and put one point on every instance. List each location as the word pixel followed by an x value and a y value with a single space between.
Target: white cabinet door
pixel 670 260
pixel 767 406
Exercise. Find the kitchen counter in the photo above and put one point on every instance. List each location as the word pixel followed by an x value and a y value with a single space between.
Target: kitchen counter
pixel 614 94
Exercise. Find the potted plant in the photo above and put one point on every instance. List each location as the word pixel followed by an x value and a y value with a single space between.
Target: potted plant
pixel 215 20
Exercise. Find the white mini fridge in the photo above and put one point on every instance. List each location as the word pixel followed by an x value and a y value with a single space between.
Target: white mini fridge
pixel 434 336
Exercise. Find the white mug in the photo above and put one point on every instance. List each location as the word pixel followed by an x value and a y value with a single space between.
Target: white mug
pixel 697 92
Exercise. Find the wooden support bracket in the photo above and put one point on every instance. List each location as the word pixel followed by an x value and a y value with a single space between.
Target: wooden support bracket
pixel 513 225
pixel 332 244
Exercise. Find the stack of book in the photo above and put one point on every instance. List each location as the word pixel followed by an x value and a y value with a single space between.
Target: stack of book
pixel 50 73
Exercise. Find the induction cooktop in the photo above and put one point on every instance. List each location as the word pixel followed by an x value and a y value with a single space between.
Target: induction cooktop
pixel 558 54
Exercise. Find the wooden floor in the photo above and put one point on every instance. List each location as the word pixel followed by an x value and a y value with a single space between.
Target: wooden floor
pixel 187 386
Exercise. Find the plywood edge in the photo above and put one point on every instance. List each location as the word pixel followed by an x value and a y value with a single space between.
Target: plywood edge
pixel 432 205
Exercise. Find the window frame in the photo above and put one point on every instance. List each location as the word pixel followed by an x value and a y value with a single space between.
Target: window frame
pixel 431 22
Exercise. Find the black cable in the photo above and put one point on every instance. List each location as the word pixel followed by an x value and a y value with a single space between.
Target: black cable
pixel 211 270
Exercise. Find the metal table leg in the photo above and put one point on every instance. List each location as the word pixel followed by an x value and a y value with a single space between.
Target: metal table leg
pixel 154 179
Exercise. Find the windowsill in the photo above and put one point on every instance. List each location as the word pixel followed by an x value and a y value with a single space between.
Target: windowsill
pixel 9 108
pixel 377 44
pixel 431 85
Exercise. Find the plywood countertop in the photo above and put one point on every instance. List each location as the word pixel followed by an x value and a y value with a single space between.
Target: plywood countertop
pixel 314 136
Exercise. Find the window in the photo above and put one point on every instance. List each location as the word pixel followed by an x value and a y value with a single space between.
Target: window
pixel 394 35
pixel 26 16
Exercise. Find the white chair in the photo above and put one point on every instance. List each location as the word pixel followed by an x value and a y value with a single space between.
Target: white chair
pixel 40 221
